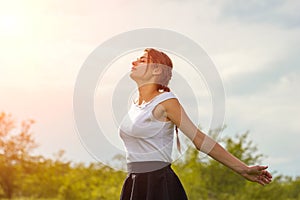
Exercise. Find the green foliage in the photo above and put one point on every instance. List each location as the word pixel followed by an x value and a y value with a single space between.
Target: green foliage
pixel 16 142
pixel 26 177
pixel 192 174
pixel 96 181
pixel 205 178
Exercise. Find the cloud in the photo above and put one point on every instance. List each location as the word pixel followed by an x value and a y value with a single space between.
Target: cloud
pixel 265 77
pixel 278 12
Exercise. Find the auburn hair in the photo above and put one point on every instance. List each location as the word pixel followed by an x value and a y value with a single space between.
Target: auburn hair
pixel 160 59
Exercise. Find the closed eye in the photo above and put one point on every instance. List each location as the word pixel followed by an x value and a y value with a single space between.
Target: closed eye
pixel 142 59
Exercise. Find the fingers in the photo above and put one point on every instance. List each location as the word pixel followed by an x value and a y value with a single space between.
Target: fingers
pixel 257 169
pixel 266 174
pixel 261 175
pixel 260 168
pixel 264 178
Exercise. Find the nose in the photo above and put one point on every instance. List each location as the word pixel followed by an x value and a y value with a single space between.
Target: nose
pixel 134 62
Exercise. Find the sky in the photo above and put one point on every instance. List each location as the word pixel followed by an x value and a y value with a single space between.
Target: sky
pixel 253 44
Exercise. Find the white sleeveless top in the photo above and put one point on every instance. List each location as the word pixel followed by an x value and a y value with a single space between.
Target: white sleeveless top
pixel 146 138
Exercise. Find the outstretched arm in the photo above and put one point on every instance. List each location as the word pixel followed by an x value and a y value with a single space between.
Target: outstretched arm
pixel 257 174
pixel 204 143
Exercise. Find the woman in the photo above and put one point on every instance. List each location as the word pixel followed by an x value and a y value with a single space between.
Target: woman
pixel 147 132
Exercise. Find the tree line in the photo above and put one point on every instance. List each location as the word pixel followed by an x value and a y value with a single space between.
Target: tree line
pixel 27 177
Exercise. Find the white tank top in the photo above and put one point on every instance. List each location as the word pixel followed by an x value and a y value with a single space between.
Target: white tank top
pixel 146 138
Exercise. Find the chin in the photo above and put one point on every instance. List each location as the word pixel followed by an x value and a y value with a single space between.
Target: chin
pixel 132 77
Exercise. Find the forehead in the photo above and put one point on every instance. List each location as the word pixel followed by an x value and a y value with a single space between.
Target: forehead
pixel 145 55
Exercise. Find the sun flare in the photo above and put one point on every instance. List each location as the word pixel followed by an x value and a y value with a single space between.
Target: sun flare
pixel 9 23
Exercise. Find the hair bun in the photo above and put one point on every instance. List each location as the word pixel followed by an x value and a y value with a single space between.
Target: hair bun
pixel 164 88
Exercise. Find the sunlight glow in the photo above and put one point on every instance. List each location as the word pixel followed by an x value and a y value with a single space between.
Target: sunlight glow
pixel 12 18
pixel 17 33
pixel 10 25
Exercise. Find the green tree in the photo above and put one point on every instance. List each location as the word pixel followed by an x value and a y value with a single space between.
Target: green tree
pixel 95 182
pixel 222 182
pixel 205 178
pixel 45 177
pixel 16 142
pixel 191 171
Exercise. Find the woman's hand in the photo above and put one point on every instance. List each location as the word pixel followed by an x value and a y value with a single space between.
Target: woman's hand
pixel 258 174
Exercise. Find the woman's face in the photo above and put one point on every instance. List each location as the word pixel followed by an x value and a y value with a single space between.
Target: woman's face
pixel 139 68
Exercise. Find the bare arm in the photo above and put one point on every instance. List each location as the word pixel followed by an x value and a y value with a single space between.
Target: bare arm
pixel 204 143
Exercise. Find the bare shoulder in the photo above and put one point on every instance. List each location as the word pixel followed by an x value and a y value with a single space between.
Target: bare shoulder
pixel 171 104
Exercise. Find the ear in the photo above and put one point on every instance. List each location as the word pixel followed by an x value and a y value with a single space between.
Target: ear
pixel 157 71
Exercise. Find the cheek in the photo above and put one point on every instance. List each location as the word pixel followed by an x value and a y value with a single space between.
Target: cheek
pixel 141 70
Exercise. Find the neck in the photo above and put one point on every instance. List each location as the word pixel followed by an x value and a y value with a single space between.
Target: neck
pixel 147 92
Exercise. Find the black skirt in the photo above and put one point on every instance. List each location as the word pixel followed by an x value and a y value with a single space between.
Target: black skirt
pixel 162 184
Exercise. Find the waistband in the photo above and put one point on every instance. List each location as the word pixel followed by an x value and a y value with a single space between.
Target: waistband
pixel 146 166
